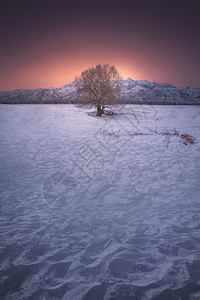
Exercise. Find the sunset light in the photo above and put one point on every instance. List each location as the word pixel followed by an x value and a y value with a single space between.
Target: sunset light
pixel 99 150
pixel 142 43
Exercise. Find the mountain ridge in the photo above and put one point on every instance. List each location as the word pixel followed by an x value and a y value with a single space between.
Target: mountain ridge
pixel 133 91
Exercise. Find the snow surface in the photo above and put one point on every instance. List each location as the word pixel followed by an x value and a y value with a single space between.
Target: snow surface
pixel 99 208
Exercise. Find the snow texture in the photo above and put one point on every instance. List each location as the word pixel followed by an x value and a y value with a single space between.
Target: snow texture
pixel 99 208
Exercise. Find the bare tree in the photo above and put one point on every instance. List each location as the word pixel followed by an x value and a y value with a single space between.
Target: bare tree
pixel 98 87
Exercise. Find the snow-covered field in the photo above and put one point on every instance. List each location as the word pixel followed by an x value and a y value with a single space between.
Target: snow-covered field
pixel 99 208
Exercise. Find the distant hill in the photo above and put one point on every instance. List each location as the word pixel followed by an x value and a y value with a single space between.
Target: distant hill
pixel 134 91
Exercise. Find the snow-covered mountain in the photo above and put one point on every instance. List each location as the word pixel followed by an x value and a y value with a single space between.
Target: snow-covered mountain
pixel 64 94
pixel 139 91
pixel 134 91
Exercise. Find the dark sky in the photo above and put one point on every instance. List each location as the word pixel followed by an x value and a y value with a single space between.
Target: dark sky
pixel 48 43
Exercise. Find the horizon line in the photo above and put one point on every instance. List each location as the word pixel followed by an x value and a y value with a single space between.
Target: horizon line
pixel 69 82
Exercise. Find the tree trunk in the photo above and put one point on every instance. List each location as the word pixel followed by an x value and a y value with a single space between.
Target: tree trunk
pixel 99 111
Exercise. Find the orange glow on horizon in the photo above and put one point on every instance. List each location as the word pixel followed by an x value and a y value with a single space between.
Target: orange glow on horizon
pixel 58 72
pixel 157 43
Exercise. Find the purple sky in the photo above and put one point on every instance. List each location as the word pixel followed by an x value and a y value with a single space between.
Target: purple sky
pixel 48 43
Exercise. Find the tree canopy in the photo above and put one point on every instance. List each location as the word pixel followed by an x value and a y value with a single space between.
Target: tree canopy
pixel 98 87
